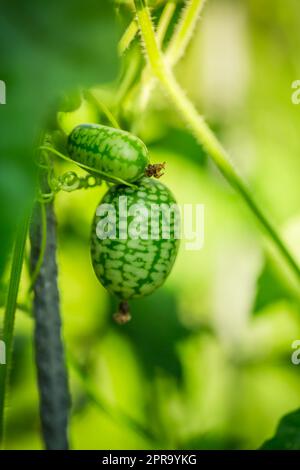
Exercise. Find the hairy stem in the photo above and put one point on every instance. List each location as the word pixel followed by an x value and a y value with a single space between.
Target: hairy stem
pixel 164 20
pixel 133 28
pixel 49 353
pixel 184 31
pixel 128 37
pixel 9 316
pixel 148 81
pixel 200 129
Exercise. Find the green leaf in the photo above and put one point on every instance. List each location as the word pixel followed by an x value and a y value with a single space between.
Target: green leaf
pixel 287 436
pixel 271 287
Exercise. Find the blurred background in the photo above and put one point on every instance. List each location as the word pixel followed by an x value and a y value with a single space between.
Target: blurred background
pixel 205 362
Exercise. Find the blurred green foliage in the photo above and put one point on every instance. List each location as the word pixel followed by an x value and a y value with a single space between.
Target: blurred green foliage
pixel 206 361
pixel 47 49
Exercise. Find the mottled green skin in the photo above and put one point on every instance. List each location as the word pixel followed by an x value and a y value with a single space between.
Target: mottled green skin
pixel 112 151
pixel 131 268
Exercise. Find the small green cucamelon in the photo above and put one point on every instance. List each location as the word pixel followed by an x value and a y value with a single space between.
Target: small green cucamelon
pixel 114 152
pixel 133 267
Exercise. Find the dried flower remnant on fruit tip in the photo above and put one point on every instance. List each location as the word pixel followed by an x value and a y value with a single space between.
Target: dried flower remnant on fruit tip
pixel 155 170
pixel 123 315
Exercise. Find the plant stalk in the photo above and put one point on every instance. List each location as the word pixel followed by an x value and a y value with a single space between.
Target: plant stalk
pixel 49 351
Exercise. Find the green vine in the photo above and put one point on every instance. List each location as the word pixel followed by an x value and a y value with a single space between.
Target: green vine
pixel 40 260
pixel 91 96
pixel 86 167
pixel 164 21
pixel 128 37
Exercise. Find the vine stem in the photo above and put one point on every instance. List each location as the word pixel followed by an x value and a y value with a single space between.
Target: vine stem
pixel 9 316
pixel 102 108
pixel 128 37
pixel 164 21
pixel 201 130
pixel 49 348
pixel 115 179
pixel 178 41
pixel 148 81
pixel 133 27
pixel 184 31
pixel 39 262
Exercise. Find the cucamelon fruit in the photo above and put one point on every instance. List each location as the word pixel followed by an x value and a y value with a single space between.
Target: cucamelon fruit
pixel 128 267
pixel 114 152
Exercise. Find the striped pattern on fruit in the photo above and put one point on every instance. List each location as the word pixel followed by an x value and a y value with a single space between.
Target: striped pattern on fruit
pixel 132 268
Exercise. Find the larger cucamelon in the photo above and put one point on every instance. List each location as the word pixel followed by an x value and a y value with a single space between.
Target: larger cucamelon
pixel 135 238
pixel 113 152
